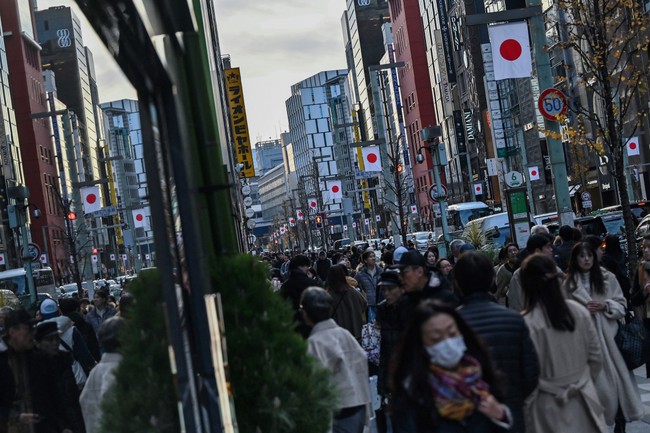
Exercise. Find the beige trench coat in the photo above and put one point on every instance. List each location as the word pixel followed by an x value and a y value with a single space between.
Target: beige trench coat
pixel 615 384
pixel 565 399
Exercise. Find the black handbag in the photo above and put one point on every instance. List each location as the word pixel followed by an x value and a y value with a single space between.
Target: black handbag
pixel 633 341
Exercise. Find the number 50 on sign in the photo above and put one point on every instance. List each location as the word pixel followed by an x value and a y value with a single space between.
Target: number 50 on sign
pixel 552 104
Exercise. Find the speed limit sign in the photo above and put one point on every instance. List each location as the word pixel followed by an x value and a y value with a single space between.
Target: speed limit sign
pixel 552 104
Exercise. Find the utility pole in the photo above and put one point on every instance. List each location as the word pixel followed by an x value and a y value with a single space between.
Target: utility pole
pixel 533 13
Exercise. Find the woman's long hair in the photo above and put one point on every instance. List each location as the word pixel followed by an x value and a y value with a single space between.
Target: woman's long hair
pixel 539 281
pixel 411 361
pixel 595 274
pixel 336 281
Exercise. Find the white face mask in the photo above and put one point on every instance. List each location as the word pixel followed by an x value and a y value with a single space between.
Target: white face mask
pixel 447 353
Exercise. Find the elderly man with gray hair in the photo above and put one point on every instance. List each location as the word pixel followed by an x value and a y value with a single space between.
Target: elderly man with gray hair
pixel 338 351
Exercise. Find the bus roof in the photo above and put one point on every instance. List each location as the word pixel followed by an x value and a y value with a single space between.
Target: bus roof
pixel 11 273
pixel 467 206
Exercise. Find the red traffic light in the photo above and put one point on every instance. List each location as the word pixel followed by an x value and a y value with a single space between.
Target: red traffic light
pixel 94 250
pixel 72 216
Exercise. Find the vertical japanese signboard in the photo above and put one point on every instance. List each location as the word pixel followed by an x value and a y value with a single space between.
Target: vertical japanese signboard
pixel 239 123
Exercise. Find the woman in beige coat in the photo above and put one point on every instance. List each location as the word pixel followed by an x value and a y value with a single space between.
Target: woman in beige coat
pixel 569 355
pixel 598 290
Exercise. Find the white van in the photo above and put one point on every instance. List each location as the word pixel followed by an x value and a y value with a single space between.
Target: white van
pixel 496 228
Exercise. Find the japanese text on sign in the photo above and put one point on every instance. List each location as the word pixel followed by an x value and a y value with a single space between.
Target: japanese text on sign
pixel 239 123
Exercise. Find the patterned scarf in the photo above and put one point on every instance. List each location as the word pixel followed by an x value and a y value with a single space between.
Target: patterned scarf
pixel 459 391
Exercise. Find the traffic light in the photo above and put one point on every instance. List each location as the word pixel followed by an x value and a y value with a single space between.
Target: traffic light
pixel 72 216
pixel 400 168
pixel 95 251
pixel 319 222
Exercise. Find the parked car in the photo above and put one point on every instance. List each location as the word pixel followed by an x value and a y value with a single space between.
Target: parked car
pixel 420 239
pixel 496 228
pixel 68 290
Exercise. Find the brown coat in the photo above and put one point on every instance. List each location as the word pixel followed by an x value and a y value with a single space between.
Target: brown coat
pixel 566 399
pixel 349 310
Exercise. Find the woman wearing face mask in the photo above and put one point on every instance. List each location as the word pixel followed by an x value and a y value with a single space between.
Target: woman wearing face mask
pixel 597 289
pixel 569 354
pixel 442 378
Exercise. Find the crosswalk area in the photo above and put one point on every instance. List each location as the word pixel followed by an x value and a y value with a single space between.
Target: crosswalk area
pixel 644 390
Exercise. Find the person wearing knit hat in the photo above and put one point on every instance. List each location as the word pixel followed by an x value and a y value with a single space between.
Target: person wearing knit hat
pixel 397 254
pixel 49 309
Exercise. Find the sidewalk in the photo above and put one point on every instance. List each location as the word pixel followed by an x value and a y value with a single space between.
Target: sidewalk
pixel 642 426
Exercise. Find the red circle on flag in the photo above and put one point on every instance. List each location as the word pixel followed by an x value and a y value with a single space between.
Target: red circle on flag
pixel 510 49
pixel 478 187
pixel 91 198
pixel 312 204
pixel 335 189
pixel 139 217
pixel 632 145
pixel 372 158
pixel 299 214
pixel 533 173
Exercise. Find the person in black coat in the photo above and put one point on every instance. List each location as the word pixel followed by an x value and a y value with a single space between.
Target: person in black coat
pixel 640 298
pixel 564 249
pixel 503 331
pixel 390 326
pixel 420 283
pixel 292 289
pixel 72 308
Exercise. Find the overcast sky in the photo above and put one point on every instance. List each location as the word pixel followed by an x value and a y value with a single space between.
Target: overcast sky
pixel 275 43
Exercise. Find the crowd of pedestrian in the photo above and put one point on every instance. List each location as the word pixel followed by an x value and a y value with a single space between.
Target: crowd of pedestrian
pixel 523 342
pixel 57 364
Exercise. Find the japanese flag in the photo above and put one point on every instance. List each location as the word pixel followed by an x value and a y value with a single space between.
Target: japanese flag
pixel 112 257
pixel 3 260
pixel 345 227
pixel 511 50
pixel 124 257
pixel 313 204
pixel 139 218
pixel 147 256
pixel 367 221
pixel 292 222
pixel 371 158
pixel 299 215
pixel 633 146
pixel 90 197
pixel 533 173
pixel 478 189
pixel 378 218
pixel 414 209
pixel 43 258
pixel 335 189
pixel 282 230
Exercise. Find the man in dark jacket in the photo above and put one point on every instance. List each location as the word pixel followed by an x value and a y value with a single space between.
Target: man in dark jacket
pixel 292 289
pixel 71 308
pixel 564 249
pixel 419 282
pixel 28 382
pixel 503 330
pixel 322 265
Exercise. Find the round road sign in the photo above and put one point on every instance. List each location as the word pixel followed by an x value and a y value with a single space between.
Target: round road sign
pixel 33 252
pixel 249 212
pixel 436 193
pixel 552 104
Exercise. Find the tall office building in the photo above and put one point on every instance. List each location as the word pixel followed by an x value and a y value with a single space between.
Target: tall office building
pixel 267 155
pixel 126 149
pixel 415 90
pixel 59 34
pixel 364 47
pixel 311 135
pixel 12 168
